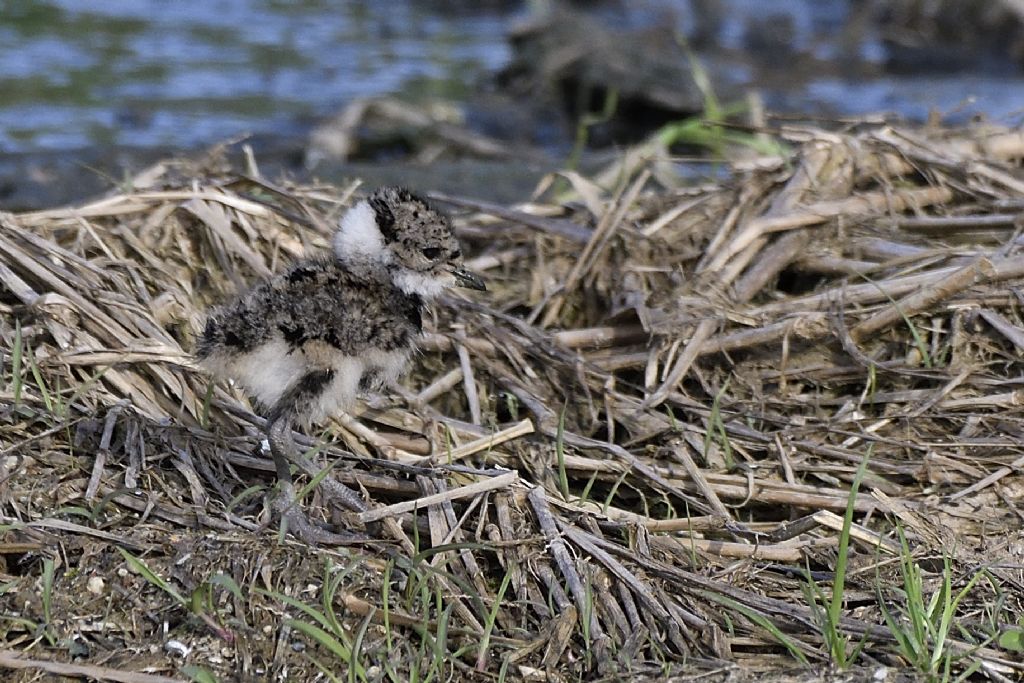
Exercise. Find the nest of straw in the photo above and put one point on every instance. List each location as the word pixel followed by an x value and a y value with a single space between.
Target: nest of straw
pixel 631 457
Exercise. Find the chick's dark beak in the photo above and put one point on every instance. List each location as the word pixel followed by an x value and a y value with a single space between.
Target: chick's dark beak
pixel 464 278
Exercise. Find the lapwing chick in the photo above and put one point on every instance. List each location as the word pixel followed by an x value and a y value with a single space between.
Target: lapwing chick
pixel 305 343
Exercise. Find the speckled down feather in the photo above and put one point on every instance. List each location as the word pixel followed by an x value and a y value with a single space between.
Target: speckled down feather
pixel 317 316
pixel 305 342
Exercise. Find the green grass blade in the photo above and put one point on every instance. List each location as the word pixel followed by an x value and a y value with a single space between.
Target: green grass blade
pixel 325 639
pixel 838 641
pixel 142 568
pixel 47 596
pixel 17 381
pixel 761 621
pixel 310 612
pixel 33 367
pixel 225 581
pixel 563 478
pixel 198 674
pixel 357 646
pixel 919 342
pixel 492 616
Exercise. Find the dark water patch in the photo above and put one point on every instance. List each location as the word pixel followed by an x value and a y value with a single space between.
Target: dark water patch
pixel 111 83
pixel 150 73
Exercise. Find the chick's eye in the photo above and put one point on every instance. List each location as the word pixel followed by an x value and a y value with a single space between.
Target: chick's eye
pixel 431 252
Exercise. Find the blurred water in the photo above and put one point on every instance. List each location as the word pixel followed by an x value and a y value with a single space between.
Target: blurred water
pixel 152 73
pixel 181 74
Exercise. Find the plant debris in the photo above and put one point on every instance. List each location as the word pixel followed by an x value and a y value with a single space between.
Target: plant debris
pixel 633 458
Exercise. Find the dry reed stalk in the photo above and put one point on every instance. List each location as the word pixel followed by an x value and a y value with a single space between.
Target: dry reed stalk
pixel 467 491
pixel 926 298
pixel 13 659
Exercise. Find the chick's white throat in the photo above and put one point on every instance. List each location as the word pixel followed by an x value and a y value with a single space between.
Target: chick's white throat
pixel 425 285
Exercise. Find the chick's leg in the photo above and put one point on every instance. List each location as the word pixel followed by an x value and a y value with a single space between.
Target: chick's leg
pixel 286 453
pixel 282 446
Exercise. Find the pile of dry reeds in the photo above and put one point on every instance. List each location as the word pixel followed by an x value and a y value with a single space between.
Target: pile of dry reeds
pixel 633 455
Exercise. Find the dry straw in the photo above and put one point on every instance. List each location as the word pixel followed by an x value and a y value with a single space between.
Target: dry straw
pixel 685 379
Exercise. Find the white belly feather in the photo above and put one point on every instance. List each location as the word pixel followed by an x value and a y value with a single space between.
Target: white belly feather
pixel 268 372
